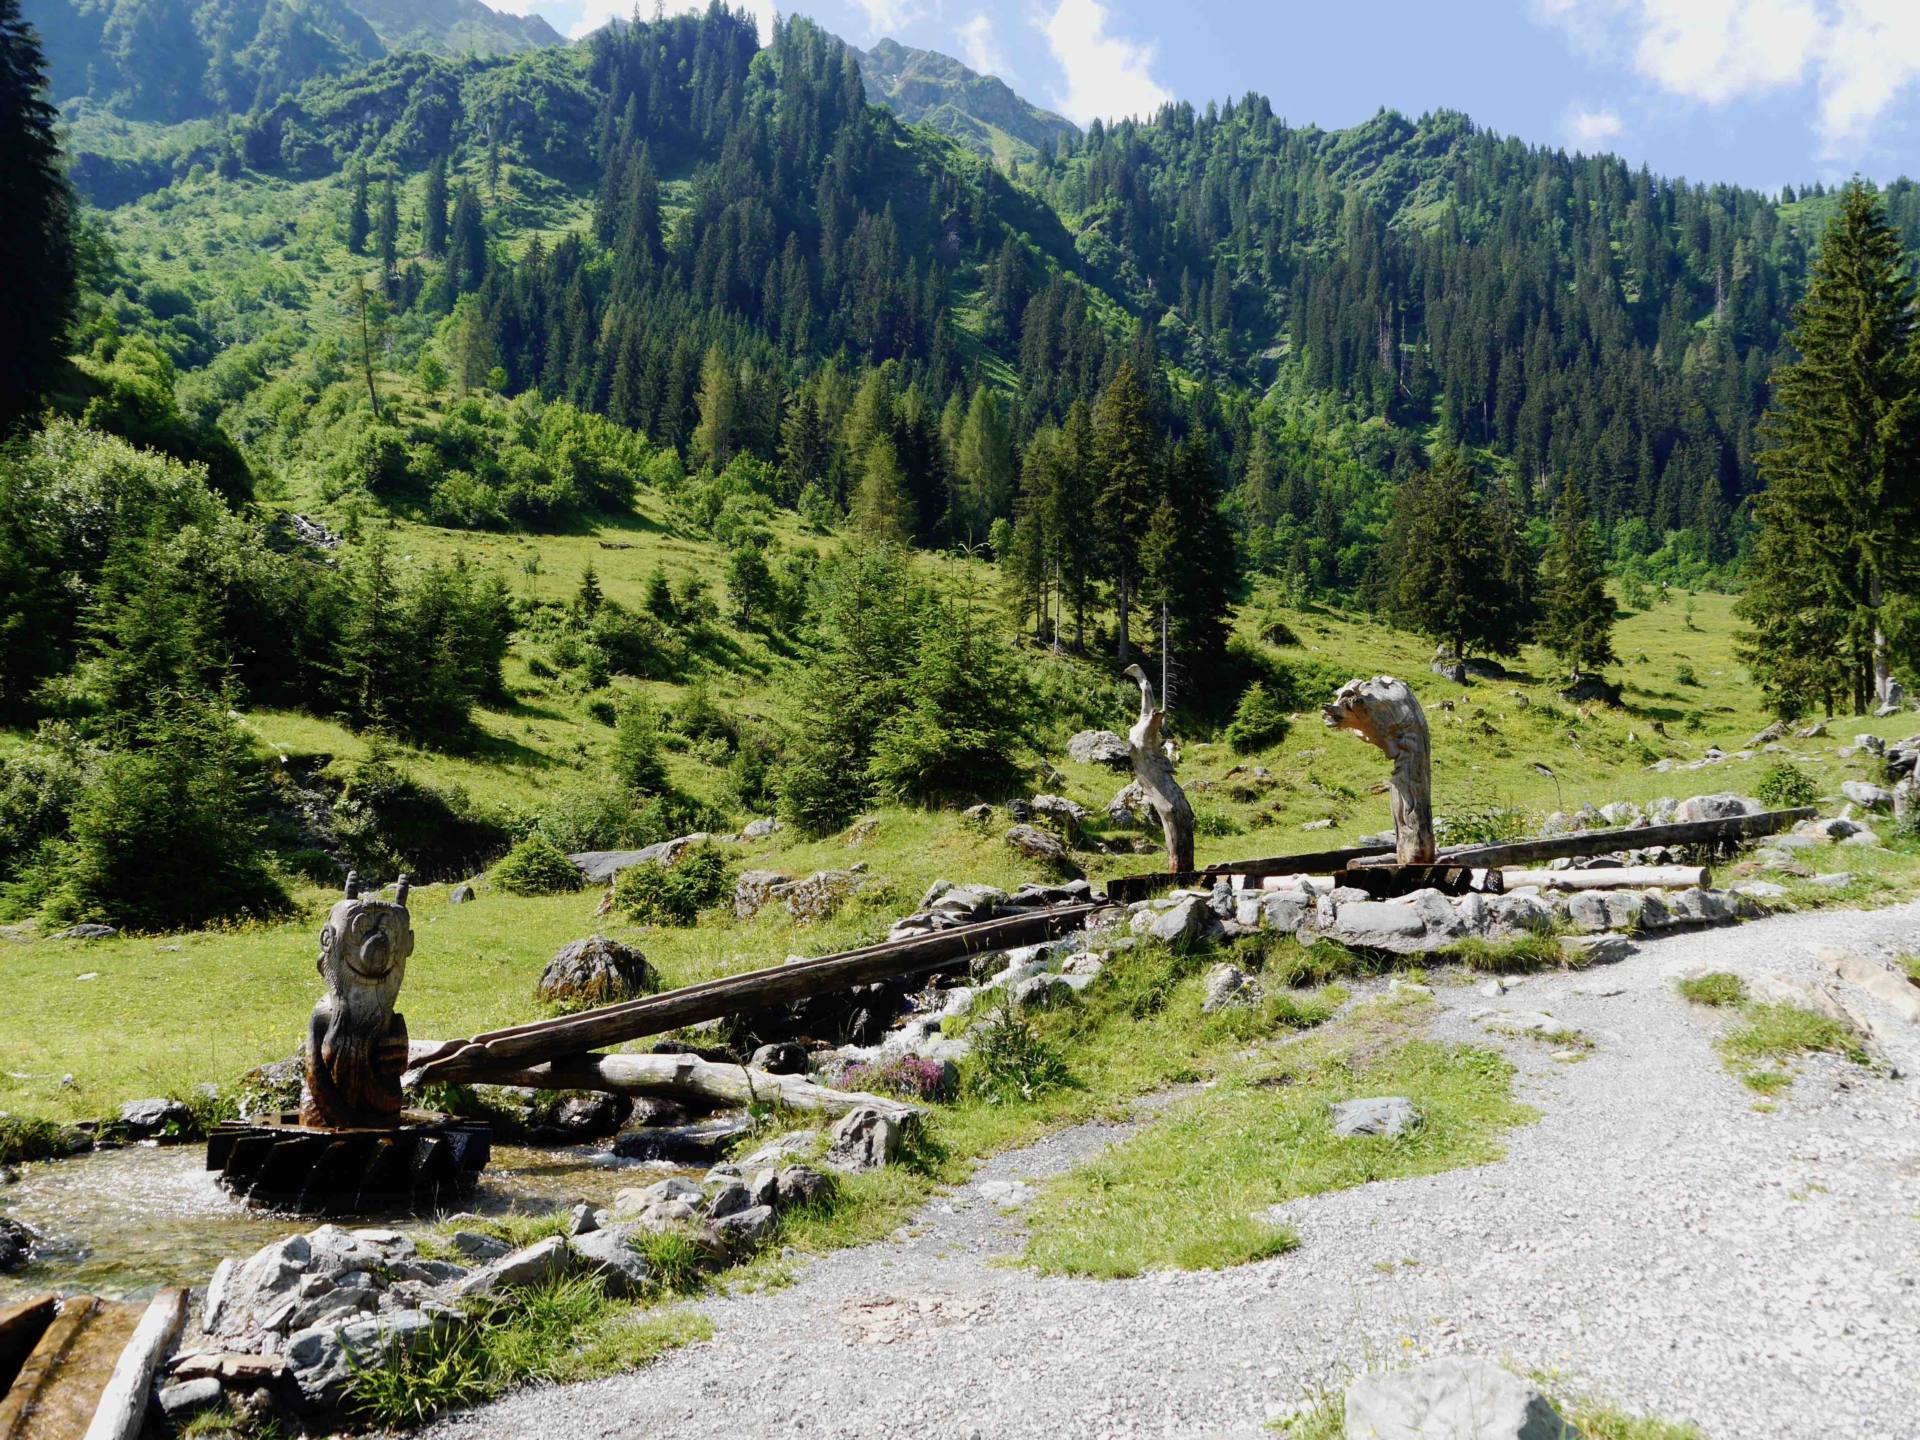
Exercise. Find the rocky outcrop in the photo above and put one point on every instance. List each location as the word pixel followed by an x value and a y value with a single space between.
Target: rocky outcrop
pixel 1038 845
pixel 596 971
pixel 1457 1398
pixel 1099 747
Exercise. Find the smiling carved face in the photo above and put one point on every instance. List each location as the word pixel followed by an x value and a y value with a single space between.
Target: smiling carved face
pixel 364 949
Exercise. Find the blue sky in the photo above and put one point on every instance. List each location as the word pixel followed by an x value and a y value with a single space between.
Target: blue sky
pixel 1757 92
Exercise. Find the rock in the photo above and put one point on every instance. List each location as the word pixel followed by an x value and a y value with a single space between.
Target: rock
pixel 1042 992
pixel 866 1138
pixel 1510 916
pixel 1099 747
pixel 189 1397
pixel 85 932
pixel 1862 792
pixel 798 1142
pixel 1038 845
pixel 460 894
pixel 1535 1023
pixel 16 1244
pixel 1811 732
pixel 1775 732
pixel 1388 1115
pixel 1622 813
pixel 1906 803
pixel 753 889
pixel 1453 670
pixel 981 814
pixel 703 1143
pixel 730 1199
pixel 1723 806
pixel 1130 805
pixel 1761 890
pixel 1458 1398
pixel 584 1117
pixel 1838 880
pixel 1379 925
pixel 1190 921
pixel 609 1254
pixel 146 1119
pixel 1585 950
pixel 800 1185
pixel 476 1246
pixel 784 1057
pixel 1229 986
pixel 544 1260
pixel 1062 811
pixel 596 971
pixel 822 893
pixel 1836 829
pixel 743 1229
pixel 760 829
pixel 322 1359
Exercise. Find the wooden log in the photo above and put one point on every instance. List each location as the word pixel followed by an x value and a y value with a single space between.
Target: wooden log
pixel 1123 889
pixel 21 1326
pixel 1147 748
pixel 1385 713
pixel 123 1403
pixel 1614 877
pixel 1603 842
pixel 672 1077
pixel 565 1035
pixel 23 1396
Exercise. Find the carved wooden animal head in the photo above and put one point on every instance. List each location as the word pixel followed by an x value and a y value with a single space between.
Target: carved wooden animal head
pixel 364 950
pixel 1382 711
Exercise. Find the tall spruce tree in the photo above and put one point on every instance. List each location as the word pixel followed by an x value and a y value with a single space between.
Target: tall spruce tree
pixel 387 230
pixel 1188 576
pixel 1126 462
pixel 1453 563
pixel 359 221
pixel 1576 621
pixel 36 249
pixel 433 210
pixel 1840 518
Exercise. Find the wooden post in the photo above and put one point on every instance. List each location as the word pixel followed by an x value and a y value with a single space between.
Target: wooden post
pixel 1384 712
pixel 123 1403
pixel 1151 767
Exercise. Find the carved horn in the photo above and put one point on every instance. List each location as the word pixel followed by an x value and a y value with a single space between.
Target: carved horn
pixel 400 891
pixel 353 884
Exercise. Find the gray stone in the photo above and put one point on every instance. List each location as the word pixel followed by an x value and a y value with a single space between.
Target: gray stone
pixel 1510 916
pixel 322 1359
pixel 1458 1398
pixel 1723 806
pixel 821 894
pixel 596 971
pixel 460 894
pixel 730 1199
pixel 476 1246
pixel 1099 747
pixel 1388 1115
pixel 865 1138
pixel 743 1229
pixel 189 1397
pixel 147 1118
pixel 1864 792
pixel 609 1254
pixel 1838 880
pixel 800 1185
pixel 1037 844
pixel 1061 811
pixel 1189 921
pixel 1228 986
pixel 761 828
pixel 1042 992
pixel 1379 924
pixel 753 889
pixel 798 1142
pixel 1622 813
pixel 533 1264
pixel 784 1057
pixel 1761 890
pixel 582 1219
pixel 16 1244
pixel 85 932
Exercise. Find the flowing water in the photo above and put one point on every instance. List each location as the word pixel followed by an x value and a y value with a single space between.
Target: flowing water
pixel 123 1223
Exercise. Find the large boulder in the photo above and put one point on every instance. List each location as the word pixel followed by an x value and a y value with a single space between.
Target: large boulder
pixel 609 1254
pixel 596 971
pixel 866 1138
pixel 1099 747
pixel 1866 793
pixel 1038 845
pixel 158 1119
pixel 1188 921
pixel 1724 806
pixel 1458 1398
pixel 753 889
pixel 323 1358
pixel 1130 805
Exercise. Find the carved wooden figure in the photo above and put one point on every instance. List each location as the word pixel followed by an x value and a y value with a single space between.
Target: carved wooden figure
pixel 356 1042
pixel 1384 712
pixel 1153 768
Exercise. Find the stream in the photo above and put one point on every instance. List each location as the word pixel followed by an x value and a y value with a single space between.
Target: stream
pixel 123 1223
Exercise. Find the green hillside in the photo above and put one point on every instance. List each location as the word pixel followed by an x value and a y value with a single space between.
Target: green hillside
pixel 924 87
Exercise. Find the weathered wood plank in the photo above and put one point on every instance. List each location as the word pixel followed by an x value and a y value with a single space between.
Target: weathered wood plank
pixel 23 1399
pixel 122 1410
pixel 1602 842
pixel 21 1326
pixel 1124 889
pixel 566 1035
pixel 1614 877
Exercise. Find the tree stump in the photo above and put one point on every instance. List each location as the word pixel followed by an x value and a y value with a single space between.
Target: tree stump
pixel 1153 771
pixel 1384 712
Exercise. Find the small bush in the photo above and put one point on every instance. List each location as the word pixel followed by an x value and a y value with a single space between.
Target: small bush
pixel 1483 825
pixel 1786 786
pixel 675 894
pixel 1259 720
pixel 637 746
pixel 536 866
pixel 23 1137
pixel 1716 988
pixel 1685 676
pixel 1214 823
pixel 1011 1061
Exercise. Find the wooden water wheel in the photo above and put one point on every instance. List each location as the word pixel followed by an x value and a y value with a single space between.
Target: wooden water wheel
pixel 426 1161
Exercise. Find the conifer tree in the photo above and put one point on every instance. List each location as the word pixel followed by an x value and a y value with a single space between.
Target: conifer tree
pixel 1841 515
pixel 358 223
pixel 1126 462
pixel 1576 621
pixel 433 213
pixel 36 250
pixel 1453 562
pixel 387 233
pixel 882 508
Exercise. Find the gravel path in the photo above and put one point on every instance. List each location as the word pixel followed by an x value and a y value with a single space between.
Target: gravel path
pixel 1654 1239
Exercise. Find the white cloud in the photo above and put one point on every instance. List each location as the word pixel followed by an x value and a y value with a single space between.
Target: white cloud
pixel 887 16
pixel 979 46
pixel 1859 54
pixel 1107 76
pixel 596 13
pixel 1592 129
pixel 512 7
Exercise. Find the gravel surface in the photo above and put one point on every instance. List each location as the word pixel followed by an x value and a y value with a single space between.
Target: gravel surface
pixel 1653 1239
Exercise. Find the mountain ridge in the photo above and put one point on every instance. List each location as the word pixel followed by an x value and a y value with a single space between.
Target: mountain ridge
pixel 982 112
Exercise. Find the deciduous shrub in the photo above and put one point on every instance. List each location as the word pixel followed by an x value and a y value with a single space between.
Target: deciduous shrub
pixel 675 894
pixel 1786 786
pixel 536 866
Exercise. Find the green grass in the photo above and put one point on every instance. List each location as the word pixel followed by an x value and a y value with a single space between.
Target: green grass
pixel 1717 988
pixel 1189 1190
pixel 1909 966
pixel 1769 1037
pixel 1325 1419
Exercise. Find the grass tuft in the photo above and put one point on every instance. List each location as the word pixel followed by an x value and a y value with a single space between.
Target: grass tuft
pixel 1717 988
pixel 24 1137
pixel 1522 955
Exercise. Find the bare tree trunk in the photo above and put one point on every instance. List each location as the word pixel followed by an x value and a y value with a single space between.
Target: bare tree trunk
pixel 1154 771
pixel 1123 600
pixel 1384 712
pixel 1882 671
